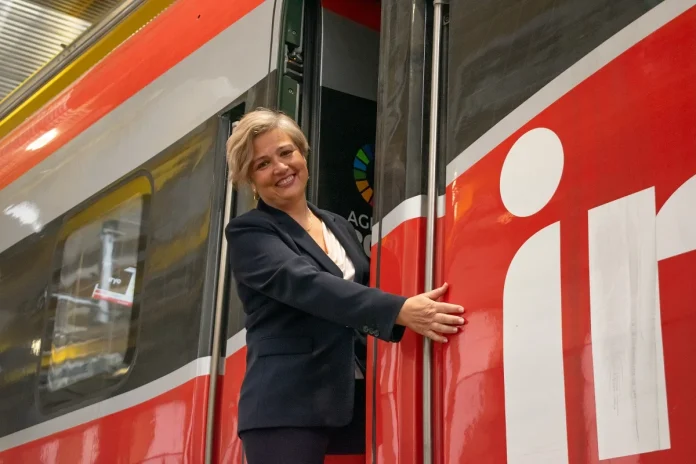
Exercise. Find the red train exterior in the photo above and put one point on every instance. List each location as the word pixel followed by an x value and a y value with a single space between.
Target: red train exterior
pixel 565 188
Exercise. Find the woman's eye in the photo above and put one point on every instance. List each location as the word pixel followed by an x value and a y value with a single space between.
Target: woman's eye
pixel 286 153
pixel 262 164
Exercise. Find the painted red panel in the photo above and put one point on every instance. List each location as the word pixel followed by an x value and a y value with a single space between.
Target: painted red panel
pixel 437 406
pixel 365 12
pixel 229 446
pixel 168 428
pixel 157 47
pixel 627 128
pixel 399 366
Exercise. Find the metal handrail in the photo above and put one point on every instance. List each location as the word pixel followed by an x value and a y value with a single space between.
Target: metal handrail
pixel 430 223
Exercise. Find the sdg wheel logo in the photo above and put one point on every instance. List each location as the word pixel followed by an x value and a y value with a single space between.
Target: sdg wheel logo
pixel 363 169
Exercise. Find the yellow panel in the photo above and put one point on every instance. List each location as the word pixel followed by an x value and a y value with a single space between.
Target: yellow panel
pixel 83 63
pixel 135 188
pixel 362 185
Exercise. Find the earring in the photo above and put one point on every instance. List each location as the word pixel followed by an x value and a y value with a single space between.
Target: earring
pixel 256 195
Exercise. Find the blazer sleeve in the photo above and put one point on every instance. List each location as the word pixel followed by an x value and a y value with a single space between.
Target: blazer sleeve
pixel 262 261
pixel 399 330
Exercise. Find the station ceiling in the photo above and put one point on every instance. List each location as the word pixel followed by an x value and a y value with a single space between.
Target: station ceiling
pixel 33 32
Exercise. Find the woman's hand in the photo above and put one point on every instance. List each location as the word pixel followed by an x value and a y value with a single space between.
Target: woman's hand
pixel 430 318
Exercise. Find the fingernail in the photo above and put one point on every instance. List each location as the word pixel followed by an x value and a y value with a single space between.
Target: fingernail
pixel 461 320
pixel 461 310
pixel 444 341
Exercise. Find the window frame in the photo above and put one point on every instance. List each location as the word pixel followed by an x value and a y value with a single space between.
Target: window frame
pixel 96 387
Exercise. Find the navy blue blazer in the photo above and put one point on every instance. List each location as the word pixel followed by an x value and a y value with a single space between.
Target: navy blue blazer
pixel 301 317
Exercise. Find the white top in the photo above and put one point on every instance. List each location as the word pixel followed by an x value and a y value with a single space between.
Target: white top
pixel 338 255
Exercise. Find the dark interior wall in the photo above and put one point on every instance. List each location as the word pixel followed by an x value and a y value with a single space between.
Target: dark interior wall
pixel 347 118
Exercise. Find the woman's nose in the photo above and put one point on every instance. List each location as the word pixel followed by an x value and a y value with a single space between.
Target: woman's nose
pixel 280 167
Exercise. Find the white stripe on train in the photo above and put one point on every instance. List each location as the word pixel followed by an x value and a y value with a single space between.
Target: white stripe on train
pixel 197 368
pixel 411 208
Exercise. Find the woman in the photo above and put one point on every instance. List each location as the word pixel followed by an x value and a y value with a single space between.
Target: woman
pixel 302 278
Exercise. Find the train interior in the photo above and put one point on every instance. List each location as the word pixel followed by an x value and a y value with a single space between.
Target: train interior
pixel 343 106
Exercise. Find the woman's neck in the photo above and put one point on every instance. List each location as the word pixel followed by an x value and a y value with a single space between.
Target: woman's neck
pixel 298 210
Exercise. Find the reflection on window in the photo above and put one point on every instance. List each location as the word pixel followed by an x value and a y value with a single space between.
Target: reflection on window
pixel 94 295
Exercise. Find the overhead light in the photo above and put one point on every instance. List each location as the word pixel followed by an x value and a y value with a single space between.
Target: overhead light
pixel 44 140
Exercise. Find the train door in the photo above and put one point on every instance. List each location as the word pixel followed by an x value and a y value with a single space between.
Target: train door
pixel 570 170
pixel 395 374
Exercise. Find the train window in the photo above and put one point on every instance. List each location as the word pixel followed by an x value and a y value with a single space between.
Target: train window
pixel 89 343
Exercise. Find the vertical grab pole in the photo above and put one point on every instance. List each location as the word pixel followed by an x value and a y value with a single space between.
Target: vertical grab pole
pixel 220 308
pixel 430 224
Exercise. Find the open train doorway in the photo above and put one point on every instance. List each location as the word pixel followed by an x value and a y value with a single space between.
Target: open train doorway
pixel 343 155
pixel 346 112
pixel 329 65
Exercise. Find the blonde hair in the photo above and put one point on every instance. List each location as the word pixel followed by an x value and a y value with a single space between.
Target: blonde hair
pixel 240 145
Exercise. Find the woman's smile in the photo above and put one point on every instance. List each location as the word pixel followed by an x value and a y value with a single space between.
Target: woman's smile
pixel 286 181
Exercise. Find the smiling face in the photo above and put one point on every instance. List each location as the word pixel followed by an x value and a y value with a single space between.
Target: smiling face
pixel 278 170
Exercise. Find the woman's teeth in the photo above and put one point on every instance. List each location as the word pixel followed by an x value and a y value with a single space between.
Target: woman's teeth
pixel 285 181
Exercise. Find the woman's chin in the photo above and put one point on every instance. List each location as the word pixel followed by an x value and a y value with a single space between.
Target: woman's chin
pixel 289 195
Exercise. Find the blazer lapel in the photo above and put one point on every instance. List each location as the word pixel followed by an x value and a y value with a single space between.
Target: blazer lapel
pixel 354 252
pixel 302 238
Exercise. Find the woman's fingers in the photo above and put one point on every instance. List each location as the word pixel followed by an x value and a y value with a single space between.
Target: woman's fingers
pixel 431 318
pixel 442 328
pixel 448 308
pixel 436 293
pixel 443 324
pixel 435 337
pixel 446 325
pixel 449 320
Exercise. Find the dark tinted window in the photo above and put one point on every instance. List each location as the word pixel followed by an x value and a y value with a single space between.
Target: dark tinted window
pixel 502 52
pixel 402 117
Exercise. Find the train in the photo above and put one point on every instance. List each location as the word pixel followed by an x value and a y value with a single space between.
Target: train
pixel 539 156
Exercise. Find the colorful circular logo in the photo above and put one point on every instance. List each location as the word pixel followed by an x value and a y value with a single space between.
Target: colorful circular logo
pixel 361 162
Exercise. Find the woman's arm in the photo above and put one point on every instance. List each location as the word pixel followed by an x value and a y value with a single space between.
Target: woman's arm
pixel 262 261
pixel 398 331
pixel 423 313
